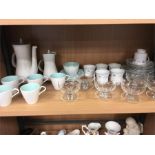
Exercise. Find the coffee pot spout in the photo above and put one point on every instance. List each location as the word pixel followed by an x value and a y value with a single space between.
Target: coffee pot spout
pixel 34 67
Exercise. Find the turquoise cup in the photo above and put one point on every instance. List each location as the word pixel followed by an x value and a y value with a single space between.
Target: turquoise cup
pixel 31 92
pixel 58 80
pixel 12 80
pixel 37 78
pixel 6 95
pixel 71 68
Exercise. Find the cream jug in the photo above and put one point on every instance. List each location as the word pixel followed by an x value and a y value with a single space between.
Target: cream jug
pixel 49 63
pixel 26 63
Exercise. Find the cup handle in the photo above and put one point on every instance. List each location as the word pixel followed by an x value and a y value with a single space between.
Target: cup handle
pixel 39 65
pixel 67 77
pixel 84 127
pixel 44 89
pixel 45 79
pixel 21 81
pixel 17 92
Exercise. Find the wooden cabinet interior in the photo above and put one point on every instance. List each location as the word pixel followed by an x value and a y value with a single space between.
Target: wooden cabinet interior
pixel 85 44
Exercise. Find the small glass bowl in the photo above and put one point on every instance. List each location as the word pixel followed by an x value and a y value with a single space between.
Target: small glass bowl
pixel 86 83
pixel 70 89
pixel 104 91
pixel 133 89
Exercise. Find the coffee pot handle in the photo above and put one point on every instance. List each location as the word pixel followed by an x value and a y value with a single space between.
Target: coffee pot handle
pixel 148 59
pixel 13 60
pixel 39 65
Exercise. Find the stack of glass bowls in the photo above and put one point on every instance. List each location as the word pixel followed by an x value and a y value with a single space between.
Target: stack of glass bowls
pixel 134 71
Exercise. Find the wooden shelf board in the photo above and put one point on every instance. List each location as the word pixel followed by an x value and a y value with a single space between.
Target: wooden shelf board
pixel 50 103
pixel 74 21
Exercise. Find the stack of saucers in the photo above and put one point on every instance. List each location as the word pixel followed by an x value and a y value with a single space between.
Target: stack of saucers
pixel 140 71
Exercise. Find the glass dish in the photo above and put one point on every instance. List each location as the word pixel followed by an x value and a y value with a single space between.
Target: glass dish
pixel 133 89
pixel 70 89
pixel 104 91
pixel 86 82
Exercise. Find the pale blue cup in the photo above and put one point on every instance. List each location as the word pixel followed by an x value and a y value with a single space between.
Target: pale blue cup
pixel 37 78
pixel 31 92
pixel 58 80
pixel 6 95
pixel 57 75
pixel 71 68
pixel 12 80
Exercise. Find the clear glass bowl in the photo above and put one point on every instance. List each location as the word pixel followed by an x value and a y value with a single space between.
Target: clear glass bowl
pixel 132 75
pixel 104 90
pixel 86 82
pixel 132 89
pixel 70 89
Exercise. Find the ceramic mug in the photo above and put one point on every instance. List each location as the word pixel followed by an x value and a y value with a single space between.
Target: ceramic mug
pixel 89 70
pixel 140 57
pixel 12 80
pixel 58 80
pixel 101 66
pixel 37 78
pixel 102 76
pixel 114 65
pixel 71 68
pixel 31 92
pixel 6 95
pixel 117 75
pixel 113 128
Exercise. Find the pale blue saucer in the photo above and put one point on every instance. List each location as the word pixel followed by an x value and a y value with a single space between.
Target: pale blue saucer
pixel 79 74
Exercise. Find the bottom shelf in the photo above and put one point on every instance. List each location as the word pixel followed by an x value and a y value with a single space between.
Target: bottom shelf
pixel 46 127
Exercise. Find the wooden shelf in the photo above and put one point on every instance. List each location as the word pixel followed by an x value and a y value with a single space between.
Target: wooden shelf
pixel 50 103
pixel 74 21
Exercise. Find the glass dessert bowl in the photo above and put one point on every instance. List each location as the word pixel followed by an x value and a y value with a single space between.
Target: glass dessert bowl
pixel 70 89
pixel 86 83
pixel 104 90
pixel 132 89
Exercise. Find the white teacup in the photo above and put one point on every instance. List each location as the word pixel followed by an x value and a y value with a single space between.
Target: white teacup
pixel 37 78
pixel 91 129
pixel 113 128
pixel 31 92
pixel 102 76
pixel 140 57
pixel 101 66
pixel 114 65
pixel 58 80
pixel 117 75
pixel 89 70
pixel 6 95
pixel 12 80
